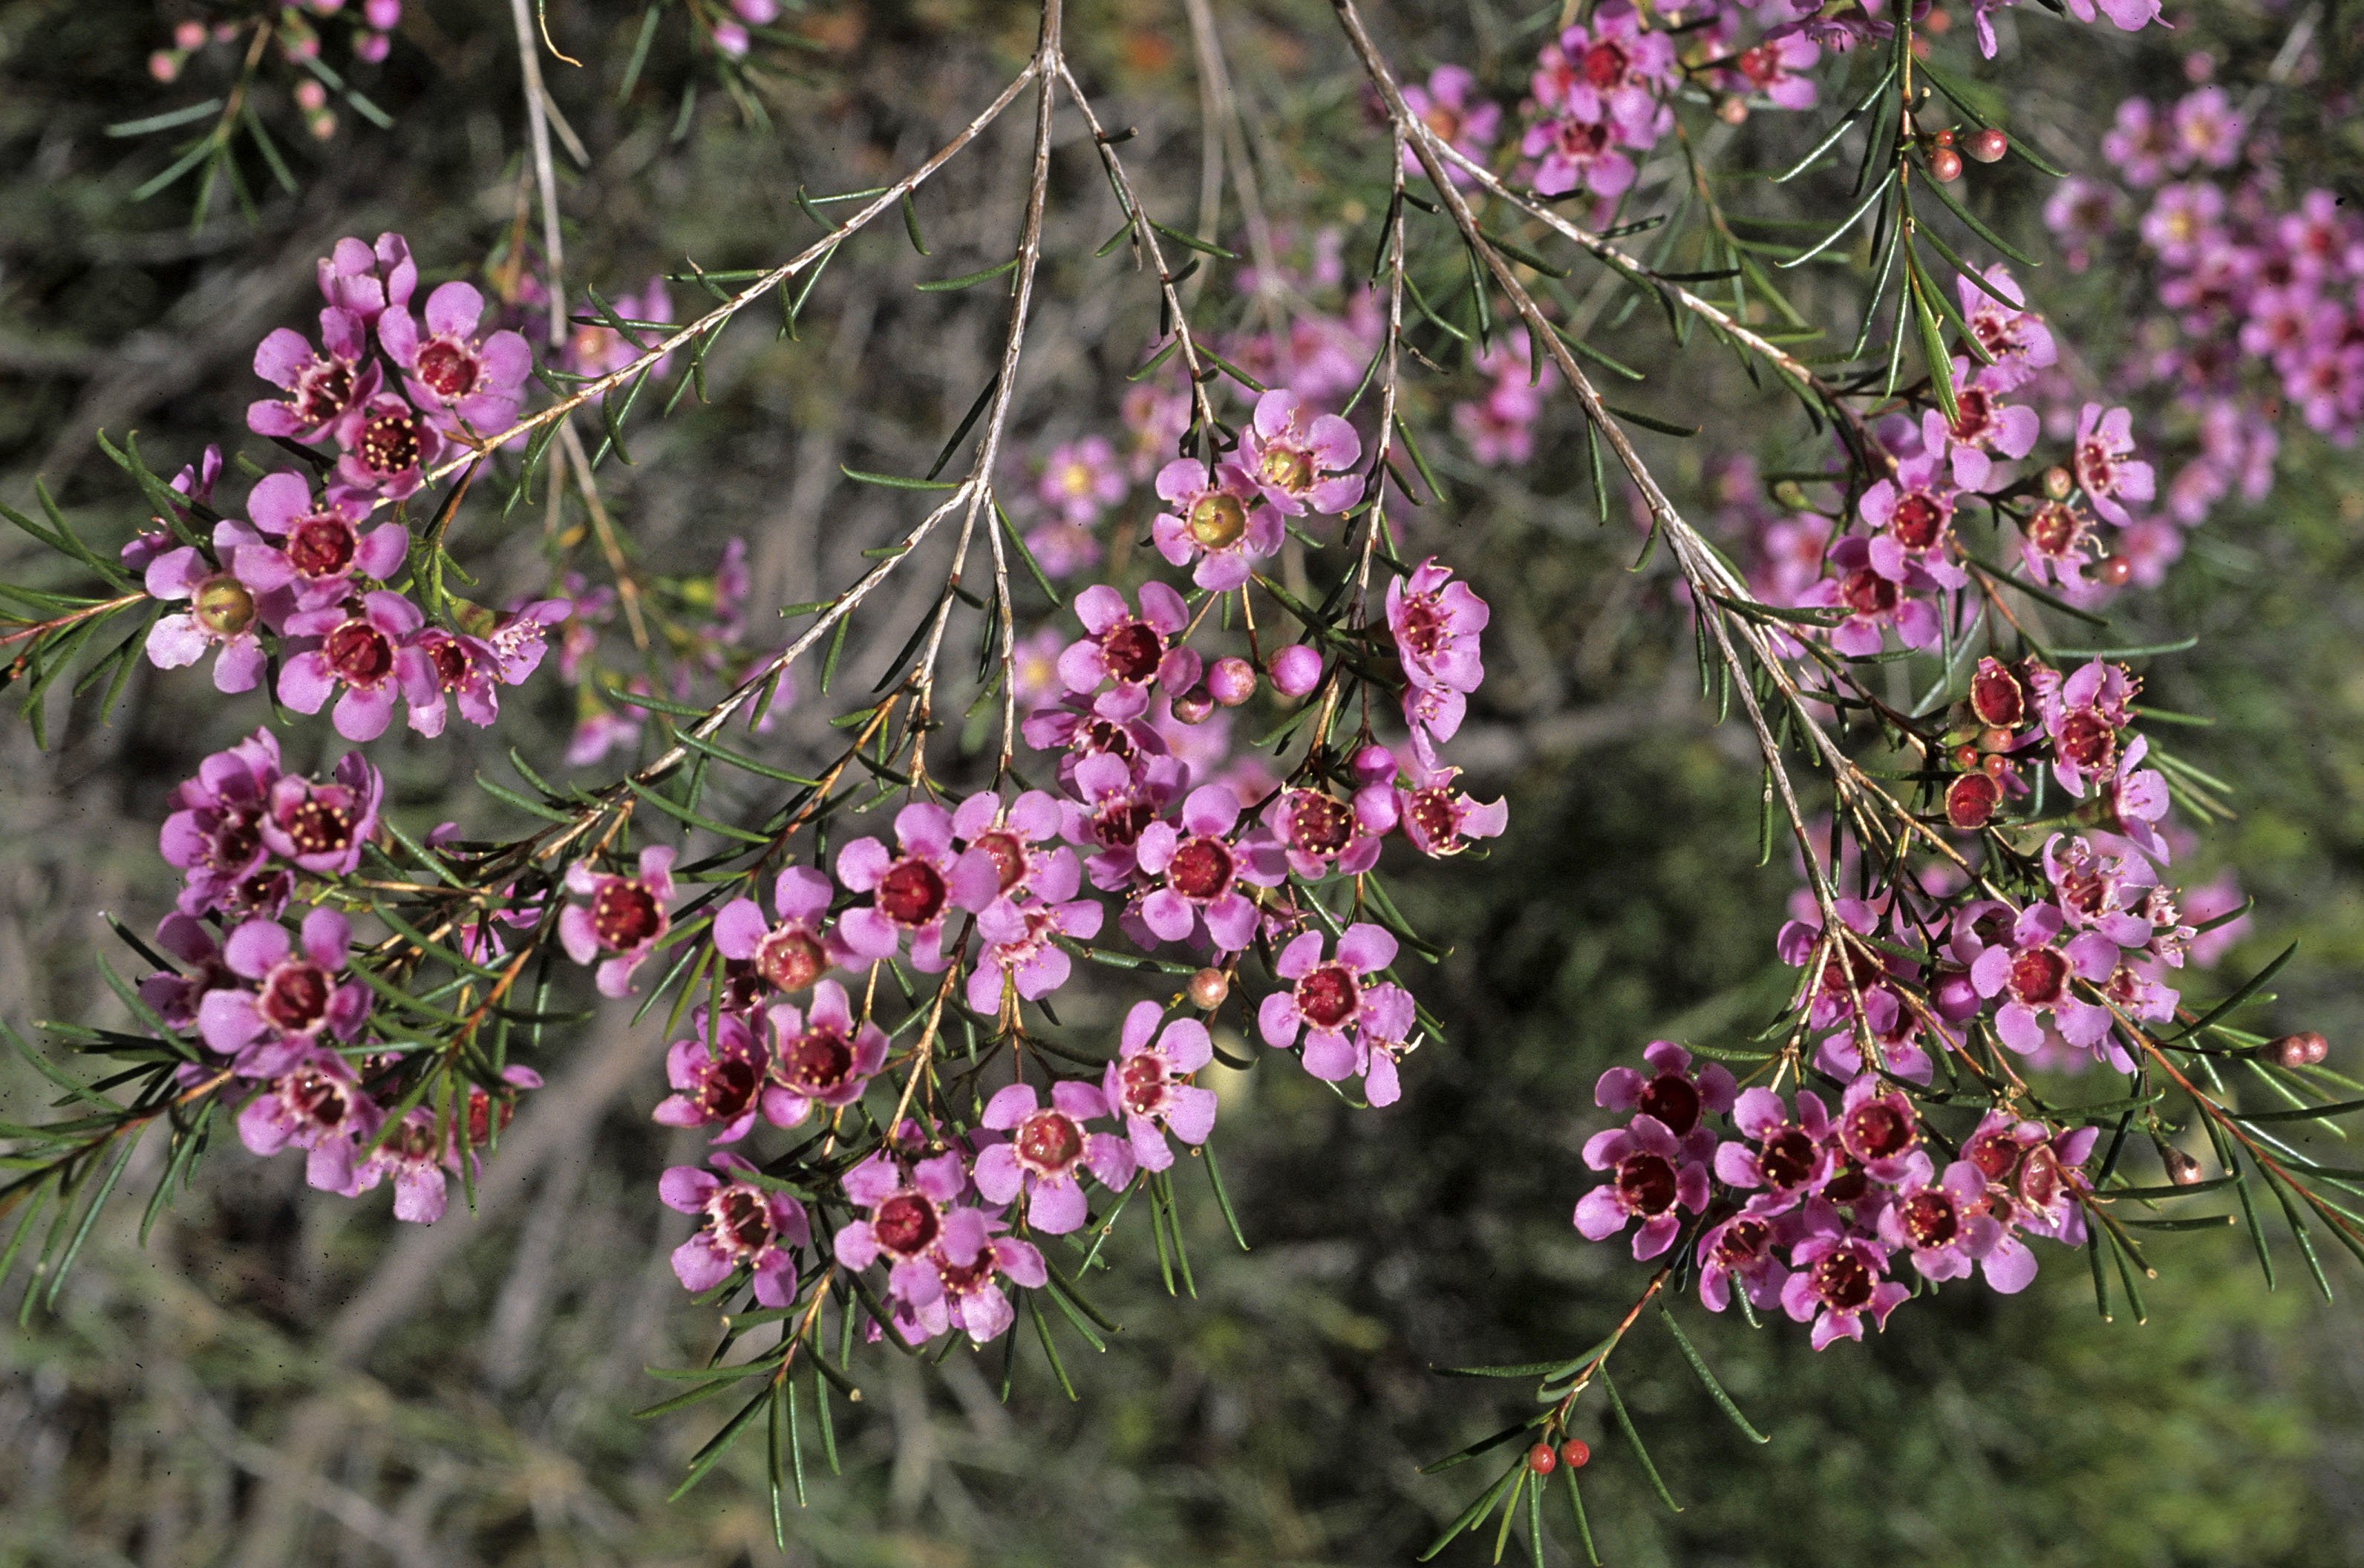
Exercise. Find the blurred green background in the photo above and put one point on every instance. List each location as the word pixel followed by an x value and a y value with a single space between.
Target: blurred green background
pixel 283 1377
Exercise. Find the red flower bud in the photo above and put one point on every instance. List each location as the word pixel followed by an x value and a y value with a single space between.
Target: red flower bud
pixel 1574 1452
pixel 1986 145
pixel 1208 989
pixel 2296 1050
pixel 2113 570
pixel 1944 165
pixel 1542 1460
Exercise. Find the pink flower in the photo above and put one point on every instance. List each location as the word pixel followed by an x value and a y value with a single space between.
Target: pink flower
pixel 322 540
pixel 1838 1281
pixel 1436 619
pixel 437 665
pixel 1199 871
pixel 1776 67
pixel 1081 479
pixel 229 607
pixel 792 954
pixel 908 893
pixel 320 828
pixel 1913 515
pixel 1115 803
pixel 626 915
pixel 469 386
pixel 1652 1177
pixel 741 1226
pixel 2013 336
pixel 1128 650
pixel 2032 977
pixel 1873 602
pixel 213 835
pixel 1876 1128
pixel 717 1076
pixel 1445 107
pixel 2105 465
pixel 1148 1085
pixel 1300 464
pixel 1047 1147
pixel 295 995
pixel 1319 831
pixel 2082 716
pixel 313 1103
pixel 819 1057
pixel 363 280
pixel 1214 520
pixel 1983 431
pixel 1671 1094
pixel 387 447
pixel 910 1223
pixel 1793 1157
pixel 1576 154
pixel 1613 71
pixel 356 651
pixel 174 997
pixel 325 387
pixel 1001 863
pixel 1329 998
pixel 1744 1248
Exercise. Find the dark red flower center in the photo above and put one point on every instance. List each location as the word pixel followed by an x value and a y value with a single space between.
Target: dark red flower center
pixel 2039 976
pixel 1605 64
pixel 295 995
pixel 1328 996
pixel 1994 1153
pixel 452 661
pixel 1118 823
pixel 1007 854
pixel 905 1225
pixel 1742 1242
pixel 728 1087
pixel 2097 471
pixel 2054 529
pixel 318 828
pixel 1674 1099
pixel 1200 869
pixel 1970 801
pixel 223 605
pixel 1217 520
pixel 450 370
pixel 235 841
pixel 1976 409
pixel 625 916
pixel 322 389
pixel 1919 520
pixel 1929 1218
pixel 1849 1181
pixel 1581 139
pixel 389 443
pixel 816 1061
pixel 1788 1158
pixel 2087 738
pixel 1319 824
pixel 1761 65
pixel 912 893
pixel 1141 1080
pixel 1421 628
pixel 1049 1142
pixel 321 545
pixel 791 958
pixel 317 1098
pixel 967 1280
pixel 1867 592
pixel 1431 811
pixel 1104 737
pixel 743 1219
pixel 1646 1184
pixel 1877 1129
pixel 1841 1281
pixel 359 653
pixel 1131 649
pixel 2040 1180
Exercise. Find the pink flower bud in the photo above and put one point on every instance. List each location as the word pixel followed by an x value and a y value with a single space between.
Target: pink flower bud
pixel 1295 670
pixel 164 65
pixel 310 96
pixel 1374 764
pixel 383 15
pixel 1374 808
pixel 1193 707
pixel 1231 681
pixel 322 125
pixel 731 38
pixel 189 37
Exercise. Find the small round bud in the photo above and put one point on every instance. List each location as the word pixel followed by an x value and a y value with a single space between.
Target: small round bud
pixel 1542 1460
pixel 1296 670
pixel 1966 757
pixel 1193 706
pixel 310 95
pixel 2296 1050
pixel 1374 764
pixel 1994 739
pixel 1733 110
pixel 1944 165
pixel 2059 482
pixel 1986 146
pixel 1231 681
pixel 322 125
pixel 2114 570
pixel 2182 1168
pixel 189 37
pixel 164 65
pixel 1942 138
pixel 1208 989
pixel 1994 764
pixel 1574 1452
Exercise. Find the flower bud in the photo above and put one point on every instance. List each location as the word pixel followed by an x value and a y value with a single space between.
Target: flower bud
pixel 2296 1050
pixel 322 125
pixel 1994 764
pixel 1988 145
pixel 1733 110
pixel 1374 808
pixel 1374 764
pixel 310 95
pixel 1966 757
pixel 1542 1460
pixel 189 37
pixel 2059 482
pixel 1193 706
pixel 1574 1452
pixel 1296 670
pixel 2114 570
pixel 1942 138
pixel 383 15
pixel 1208 989
pixel 164 65
pixel 1231 681
pixel 1944 165
pixel 2182 1168
pixel 1994 738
